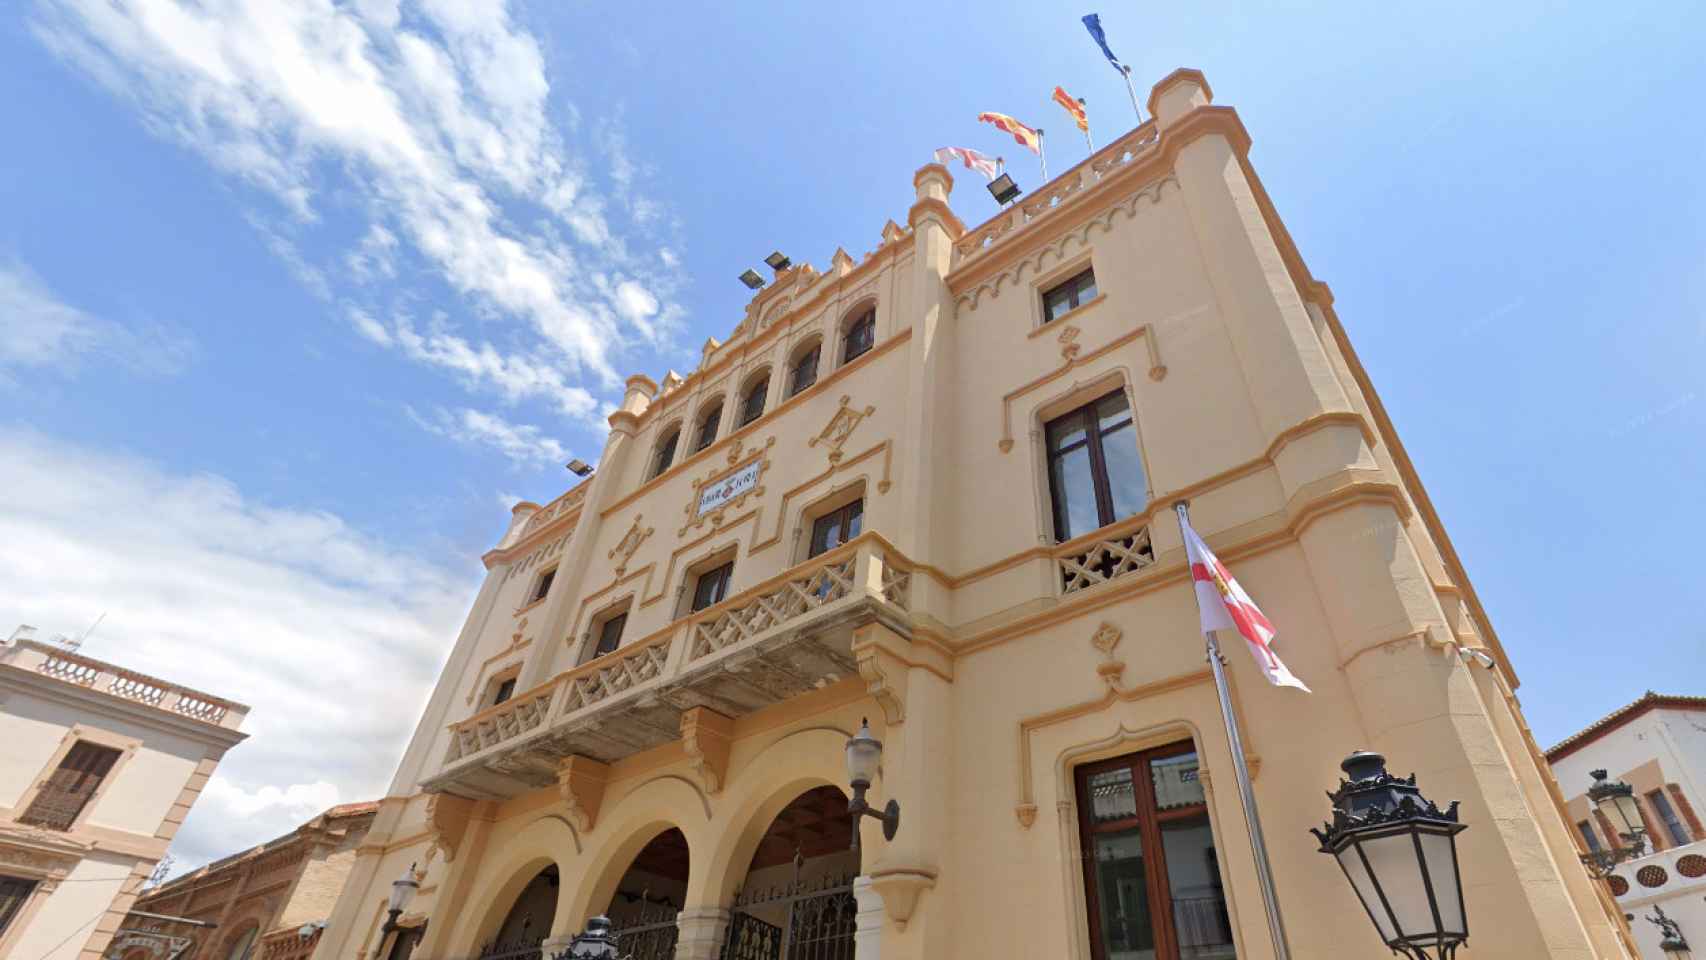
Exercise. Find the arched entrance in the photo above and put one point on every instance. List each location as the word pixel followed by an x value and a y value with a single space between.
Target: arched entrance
pixel 528 922
pixel 649 897
pixel 796 902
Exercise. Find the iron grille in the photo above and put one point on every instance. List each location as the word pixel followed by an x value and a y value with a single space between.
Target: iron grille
pixel 521 948
pixel 648 932
pixel 750 938
pixel 820 926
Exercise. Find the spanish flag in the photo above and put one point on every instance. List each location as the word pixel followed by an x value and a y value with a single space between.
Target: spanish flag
pixel 1026 137
pixel 1073 107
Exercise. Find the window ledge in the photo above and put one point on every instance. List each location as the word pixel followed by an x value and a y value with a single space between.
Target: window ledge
pixel 1048 325
pixel 529 605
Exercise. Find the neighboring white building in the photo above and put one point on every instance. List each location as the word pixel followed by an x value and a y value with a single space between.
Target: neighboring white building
pixel 98 768
pixel 1658 746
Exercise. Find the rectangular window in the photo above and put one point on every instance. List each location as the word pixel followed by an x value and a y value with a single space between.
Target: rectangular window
pixel 610 634
pixel 543 587
pixel 804 371
pixel 1588 835
pixel 1094 472
pixel 1667 815
pixel 70 787
pixel 837 527
pixel 1066 297
pixel 505 690
pixel 712 586
pixel 1151 871
pixel 14 893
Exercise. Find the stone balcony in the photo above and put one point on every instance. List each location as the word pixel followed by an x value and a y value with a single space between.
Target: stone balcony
pixel 57 663
pixel 777 640
pixel 1661 876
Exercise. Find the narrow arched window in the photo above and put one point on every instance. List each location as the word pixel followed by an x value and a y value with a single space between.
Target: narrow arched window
pixel 752 405
pixel 802 373
pixel 666 452
pixel 860 337
pixel 708 427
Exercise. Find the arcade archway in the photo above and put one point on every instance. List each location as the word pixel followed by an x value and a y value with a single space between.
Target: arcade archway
pixel 649 897
pixel 528 921
pixel 796 901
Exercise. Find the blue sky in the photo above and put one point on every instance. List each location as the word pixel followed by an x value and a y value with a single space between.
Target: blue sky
pixel 296 296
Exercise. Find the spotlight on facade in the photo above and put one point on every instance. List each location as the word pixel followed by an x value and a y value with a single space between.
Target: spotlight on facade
pixel 1399 852
pixel 751 279
pixel 597 943
pixel 1674 944
pixel 778 261
pixel 864 753
pixel 579 467
pixel 1003 188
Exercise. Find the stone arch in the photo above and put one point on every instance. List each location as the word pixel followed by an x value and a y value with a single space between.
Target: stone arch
pixel 546 842
pixel 756 793
pixel 629 824
pixel 242 943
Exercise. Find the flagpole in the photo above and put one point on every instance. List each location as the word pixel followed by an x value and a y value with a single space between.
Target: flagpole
pixel 1246 795
pixel 1041 155
pixel 1126 73
pixel 1087 141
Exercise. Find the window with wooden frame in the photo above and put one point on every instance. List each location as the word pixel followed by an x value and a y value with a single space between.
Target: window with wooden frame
pixel 542 586
pixel 1095 474
pixel 71 786
pixel 14 893
pixel 836 527
pixel 665 455
pixel 1592 839
pixel 708 424
pixel 1068 295
pixel 609 631
pixel 1667 815
pixel 802 372
pixel 712 587
pixel 860 337
pixel 752 403
pixel 1151 872
pixel 503 691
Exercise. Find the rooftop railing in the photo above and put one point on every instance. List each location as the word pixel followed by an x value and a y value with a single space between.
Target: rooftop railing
pixel 115 681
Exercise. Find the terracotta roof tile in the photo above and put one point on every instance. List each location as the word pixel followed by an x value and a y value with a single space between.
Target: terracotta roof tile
pixel 1620 716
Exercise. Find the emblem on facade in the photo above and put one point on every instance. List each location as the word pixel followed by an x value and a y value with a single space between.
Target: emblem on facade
pixel 839 428
pixel 1069 345
pixel 715 495
pixel 1105 639
pixel 630 542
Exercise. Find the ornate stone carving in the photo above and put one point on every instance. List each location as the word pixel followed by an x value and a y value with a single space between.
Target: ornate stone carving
pixel 1069 345
pixel 840 426
pixel 705 736
pixel 878 685
pixel 1105 639
pixel 447 817
pixel 900 887
pixel 580 781
pixel 630 542
pixel 1027 814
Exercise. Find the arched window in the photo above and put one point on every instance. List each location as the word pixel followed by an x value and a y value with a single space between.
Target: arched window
pixel 708 427
pixel 666 451
pixel 752 403
pixel 861 335
pixel 241 946
pixel 802 370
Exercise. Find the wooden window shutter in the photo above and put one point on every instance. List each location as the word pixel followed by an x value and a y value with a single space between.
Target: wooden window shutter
pixel 1682 807
pixel 71 786
pixel 1659 841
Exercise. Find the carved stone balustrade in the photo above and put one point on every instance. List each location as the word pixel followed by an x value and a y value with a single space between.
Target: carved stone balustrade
pixel 57 663
pixel 779 639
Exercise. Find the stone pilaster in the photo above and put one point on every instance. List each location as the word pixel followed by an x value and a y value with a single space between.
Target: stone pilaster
pixel 701 933
pixel 868 923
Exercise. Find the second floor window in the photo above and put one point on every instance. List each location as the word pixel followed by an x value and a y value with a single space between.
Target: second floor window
pixel 666 452
pixel 14 892
pixel 712 586
pixel 610 634
pixel 803 373
pixel 1588 835
pixel 752 405
pixel 1094 473
pixel 861 336
pixel 505 690
pixel 543 587
pixel 1667 815
pixel 1063 298
pixel 837 527
pixel 71 786
pixel 708 428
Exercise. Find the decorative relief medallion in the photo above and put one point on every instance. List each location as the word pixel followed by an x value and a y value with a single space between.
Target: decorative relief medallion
pixel 1105 639
pixel 839 428
pixel 630 542
pixel 1069 345
pixel 715 495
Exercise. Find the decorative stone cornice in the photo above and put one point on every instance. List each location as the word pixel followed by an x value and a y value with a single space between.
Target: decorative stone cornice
pixel 705 738
pixel 580 782
pixel 931 208
pixel 447 818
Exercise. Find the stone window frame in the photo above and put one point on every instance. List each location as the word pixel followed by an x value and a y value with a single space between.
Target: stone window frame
pixel 126 746
pixel 1065 401
pixel 725 555
pixel 835 499
pixel 622 606
pixel 861 311
pixel 754 382
pixel 655 465
pixel 1043 284
pixel 488 698
pixel 810 344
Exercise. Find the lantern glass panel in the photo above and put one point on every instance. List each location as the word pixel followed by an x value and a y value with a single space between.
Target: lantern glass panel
pixel 862 756
pixel 1629 812
pixel 1352 864
pixel 1439 852
pixel 1395 864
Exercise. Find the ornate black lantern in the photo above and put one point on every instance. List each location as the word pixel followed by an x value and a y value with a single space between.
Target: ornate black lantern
pixel 1615 800
pixel 597 943
pixel 1674 944
pixel 1399 852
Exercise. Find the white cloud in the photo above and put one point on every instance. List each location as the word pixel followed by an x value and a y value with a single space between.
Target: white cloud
pixel 525 445
pixel 38 330
pixel 290 611
pixel 440 124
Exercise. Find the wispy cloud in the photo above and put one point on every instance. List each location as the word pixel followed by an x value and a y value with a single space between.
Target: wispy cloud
pixel 288 610
pixel 525 445
pixel 434 116
pixel 40 331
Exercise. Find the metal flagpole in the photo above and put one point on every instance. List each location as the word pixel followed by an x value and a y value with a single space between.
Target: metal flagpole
pixel 1087 141
pixel 1041 154
pixel 1126 73
pixel 1246 795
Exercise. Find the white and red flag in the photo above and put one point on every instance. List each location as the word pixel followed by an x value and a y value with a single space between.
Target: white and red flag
pixel 988 166
pixel 1224 605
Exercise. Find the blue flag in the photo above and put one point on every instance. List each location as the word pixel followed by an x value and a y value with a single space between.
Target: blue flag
pixel 1093 23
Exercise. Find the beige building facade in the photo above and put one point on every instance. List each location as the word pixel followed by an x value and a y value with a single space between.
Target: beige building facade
pixel 269 902
pixel 99 766
pixel 932 486
pixel 1657 745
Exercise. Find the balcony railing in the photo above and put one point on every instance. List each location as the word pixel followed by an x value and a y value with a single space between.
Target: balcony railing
pixel 1104 555
pixel 1102 164
pixel 92 674
pixel 778 639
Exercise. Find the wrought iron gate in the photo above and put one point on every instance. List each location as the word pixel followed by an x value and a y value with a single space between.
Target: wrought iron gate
pixel 649 933
pixel 819 925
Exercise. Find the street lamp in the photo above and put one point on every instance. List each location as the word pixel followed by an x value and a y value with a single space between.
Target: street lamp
pixel 1674 945
pixel 1399 852
pixel 864 752
pixel 403 890
pixel 597 943
pixel 1615 802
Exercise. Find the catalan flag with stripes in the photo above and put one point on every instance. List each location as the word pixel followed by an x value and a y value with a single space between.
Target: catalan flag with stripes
pixel 1074 107
pixel 1026 137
